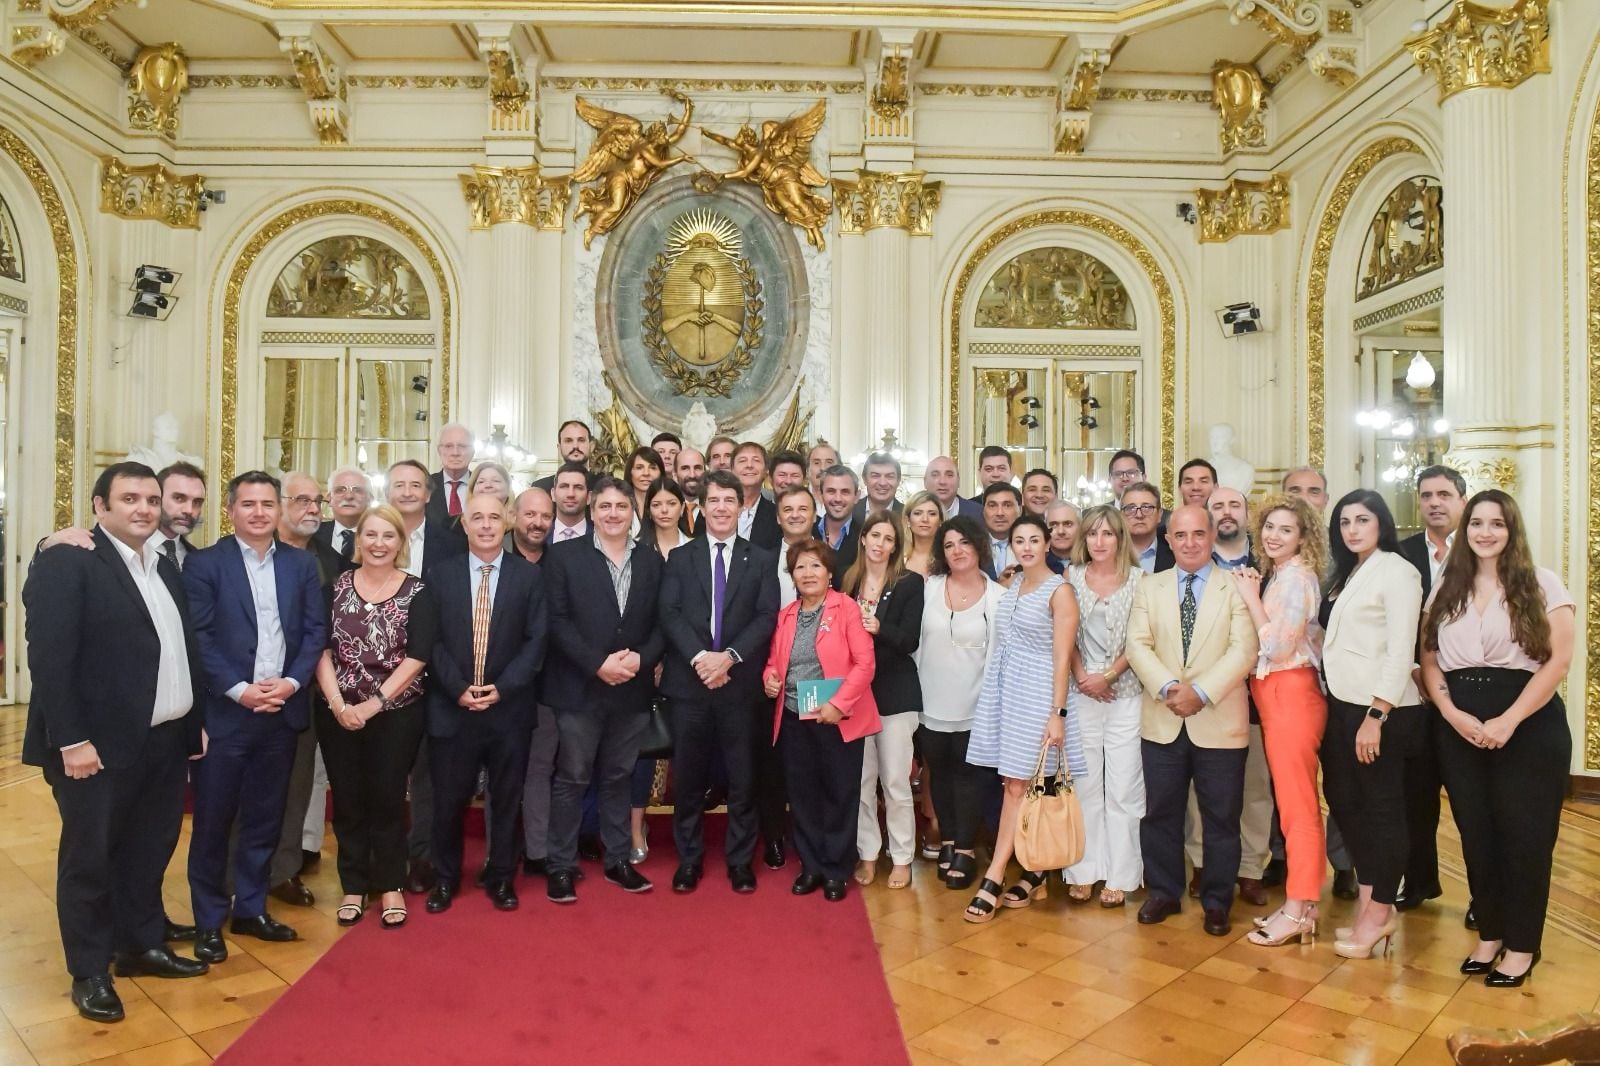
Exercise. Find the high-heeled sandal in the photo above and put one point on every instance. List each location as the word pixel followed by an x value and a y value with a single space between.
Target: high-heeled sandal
pixel 946 852
pixel 350 913
pixel 980 909
pixel 1496 979
pixel 1080 893
pixel 1304 930
pixel 392 917
pixel 1029 886
pixel 963 868
pixel 1472 967
pixel 1355 949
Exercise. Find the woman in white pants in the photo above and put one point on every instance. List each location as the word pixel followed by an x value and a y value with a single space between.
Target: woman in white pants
pixel 891 611
pixel 1106 698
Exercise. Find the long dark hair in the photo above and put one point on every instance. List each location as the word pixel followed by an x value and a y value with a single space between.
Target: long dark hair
pixel 968 530
pixel 1344 560
pixel 1519 581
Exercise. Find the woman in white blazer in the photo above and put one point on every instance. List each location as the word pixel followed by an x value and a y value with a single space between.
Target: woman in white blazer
pixel 1374 712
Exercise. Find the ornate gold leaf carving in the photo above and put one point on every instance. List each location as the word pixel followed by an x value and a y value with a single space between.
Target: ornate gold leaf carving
pixel 1292 22
pixel 790 436
pixel 891 97
pixel 1497 473
pixel 1244 208
pixel 324 87
pixel 1054 288
pixel 1485 47
pixel 1591 689
pixel 156 82
pixel 898 200
pixel 32 43
pixel 778 161
pixel 617 440
pixel 84 15
pixel 11 262
pixel 702 259
pixel 349 276
pixel 498 195
pixel 626 158
pixel 1079 91
pixel 1405 238
pixel 1240 97
pixel 150 192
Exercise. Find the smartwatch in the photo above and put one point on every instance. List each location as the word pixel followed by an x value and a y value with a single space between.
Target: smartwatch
pixel 1061 712
pixel 1381 716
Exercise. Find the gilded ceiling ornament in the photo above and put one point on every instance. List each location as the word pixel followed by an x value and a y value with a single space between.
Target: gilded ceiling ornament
pixel 1054 288
pixel 76 17
pixel 1497 473
pixel 324 87
pixel 887 199
pixel 1243 208
pixel 1485 47
pixel 12 266
pixel 778 160
pixel 1079 91
pixel 348 276
pixel 1240 96
pixel 626 158
pixel 513 106
pixel 1405 238
pixel 617 440
pixel 1292 22
pixel 150 192
pixel 33 43
pixel 1335 63
pixel 156 82
pixel 516 194
pixel 702 305
pixel 891 97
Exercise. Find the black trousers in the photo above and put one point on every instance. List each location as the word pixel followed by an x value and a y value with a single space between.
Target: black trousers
pixel 367 770
pixel 824 774
pixel 118 831
pixel 496 741
pixel 1217 775
pixel 701 729
pixel 771 793
pixel 599 744
pixel 419 789
pixel 957 784
pixel 1369 799
pixel 287 859
pixel 244 776
pixel 1507 804
pixel 1422 784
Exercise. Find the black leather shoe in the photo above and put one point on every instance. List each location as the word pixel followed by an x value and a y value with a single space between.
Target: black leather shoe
pixel 1157 910
pixel 174 931
pixel 774 856
pixel 627 878
pixel 309 860
pixel 96 1000
pixel 158 962
pixel 558 887
pixel 1217 923
pixel 742 878
pixel 503 895
pixel 1409 901
pixel 208 946
pixel 1471 966
pixel 440 898
pixel 263 927
pixel 1276 872
pixel 833 891
pixel 806 884
pixel 590 848
pixel 421 877
pixel 1344 884
pixel 534 867
pixel 293 892
pixel 687 877
pixel 1496 979
pixel 1471 918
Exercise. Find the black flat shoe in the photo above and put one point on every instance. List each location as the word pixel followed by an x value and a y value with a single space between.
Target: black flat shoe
pixel 625 877
pixel 503 895
pixel 1345 885
pixel 833 891
pixel 1409 901
pixel 1472 966
pixel 158 962
pixel 947 854
pixel 1496 979
pixel 263 927
pixel 175 931
pixel 687 877
pixel 96 1000
pixel 533 867
pixel 558 887
pixel 208 946
pixel 440 898
pixel 806 884
pixel 963 868
pixel 742 878
pixel 774 856
pixel 293 892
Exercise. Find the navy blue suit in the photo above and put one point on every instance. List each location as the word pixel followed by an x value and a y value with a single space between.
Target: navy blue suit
pixel 245 772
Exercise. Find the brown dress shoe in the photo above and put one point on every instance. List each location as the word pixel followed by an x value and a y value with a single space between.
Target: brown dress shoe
pixel 1194 884
pixel 1157 910
pixel 1252 892
pixel 293 892
pixel 1217 923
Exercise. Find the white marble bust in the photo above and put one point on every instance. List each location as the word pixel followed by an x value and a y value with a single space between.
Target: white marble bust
pixel 162 451
pixel 698 427
pixel 1232 471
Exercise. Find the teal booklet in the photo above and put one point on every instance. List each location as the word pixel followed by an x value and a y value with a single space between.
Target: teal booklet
pixel 813 694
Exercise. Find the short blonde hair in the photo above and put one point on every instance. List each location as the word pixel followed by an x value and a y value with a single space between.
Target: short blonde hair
pixel 384 512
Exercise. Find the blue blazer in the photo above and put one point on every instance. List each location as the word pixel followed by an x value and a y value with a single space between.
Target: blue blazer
pixel 224 616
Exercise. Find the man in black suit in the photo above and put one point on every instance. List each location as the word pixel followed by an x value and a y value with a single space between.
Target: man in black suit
pixel 881 475
pixel 349 495
pixel 690 470
pixel 574 442
pixel 481 708
pixel 570 494
pixel 719 605
pixel 113 720
pixel 447 486
pixel 604 590
pixel 1002 506
pixel 943 478
pixel 1141 509
pixel 758 516
pixel 837 527
pixel 819 460
pixel 994 467
pixel 785 468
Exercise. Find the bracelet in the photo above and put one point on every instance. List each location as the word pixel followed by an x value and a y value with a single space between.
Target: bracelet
pixel 384 702
pixel 1111 677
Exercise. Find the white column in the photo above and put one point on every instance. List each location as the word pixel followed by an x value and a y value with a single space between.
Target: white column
pixel 511 332
pixel 886 298
pixel 852 359
pixel 542 387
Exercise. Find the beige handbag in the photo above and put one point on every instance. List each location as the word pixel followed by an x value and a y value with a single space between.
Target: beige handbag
pixel 1050 823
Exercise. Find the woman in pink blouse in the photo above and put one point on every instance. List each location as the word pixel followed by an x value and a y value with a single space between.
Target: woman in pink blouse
pixel 1496 642
pixel 1284 598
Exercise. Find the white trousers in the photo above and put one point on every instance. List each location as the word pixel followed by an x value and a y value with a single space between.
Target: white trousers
pixel 1112 795
pixel 1255 817
pixel 887 762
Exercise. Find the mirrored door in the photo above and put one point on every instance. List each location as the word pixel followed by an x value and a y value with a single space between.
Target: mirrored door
pixel 331 407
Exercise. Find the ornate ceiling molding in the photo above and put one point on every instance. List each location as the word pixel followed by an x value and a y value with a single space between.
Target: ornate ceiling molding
pixel 73 17
pixel 887 200
pixel 323 84
pixel 156 83
pixel 34 42
pixel 150 192
pixel 1243 209
pixel 1075 104
pixel 513 88
pixel 1296 23
pixel 499 195
pixel 1240 97
pixel 1478 47
pixel 891 109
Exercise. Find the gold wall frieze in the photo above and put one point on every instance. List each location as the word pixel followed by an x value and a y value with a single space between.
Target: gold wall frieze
pixel 1120 93
pixel 1292 22
pixel 1290 63
pixel 1499 473
pixel 498 195
pixel 891 96
pixel 1591 222
pixel 887 200
pixel 1240 97
pixel 352 340
pixel 156 82
pixel 66 318
pixel 473 82
pixel 1243 208
pixel 1421 301
pixel 703 85
pixel 1166 307
pixel 107 50
pixel 150 192
pixel 1479 47
pixel 1317 283
pixel 29 7
pixel 1056 351
pixel 32 43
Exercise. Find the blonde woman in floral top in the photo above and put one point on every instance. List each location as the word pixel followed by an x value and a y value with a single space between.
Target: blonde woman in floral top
pixel 1284 598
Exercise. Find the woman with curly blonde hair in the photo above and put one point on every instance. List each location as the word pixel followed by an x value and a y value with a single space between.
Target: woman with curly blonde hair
pixel 1284 598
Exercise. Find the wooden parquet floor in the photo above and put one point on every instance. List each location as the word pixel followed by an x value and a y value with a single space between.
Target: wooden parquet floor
pixel 1052 984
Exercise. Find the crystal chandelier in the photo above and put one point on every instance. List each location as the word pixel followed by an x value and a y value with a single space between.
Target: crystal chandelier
pixel 1412 434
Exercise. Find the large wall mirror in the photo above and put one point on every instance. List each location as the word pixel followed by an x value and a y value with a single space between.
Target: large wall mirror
pixel 345 406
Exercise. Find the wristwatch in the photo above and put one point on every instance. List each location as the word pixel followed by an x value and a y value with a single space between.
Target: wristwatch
pixel 1381 716
pixel 1061 712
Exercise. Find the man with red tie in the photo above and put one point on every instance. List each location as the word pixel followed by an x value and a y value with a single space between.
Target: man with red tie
pixel 448 485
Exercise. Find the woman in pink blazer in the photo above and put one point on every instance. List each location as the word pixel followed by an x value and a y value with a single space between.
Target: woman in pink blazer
pixel 820 638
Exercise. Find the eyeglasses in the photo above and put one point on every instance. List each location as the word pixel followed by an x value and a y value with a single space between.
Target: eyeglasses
pixel 1138 510
pixel 1126 475
pixel 307 501
pixel 954 643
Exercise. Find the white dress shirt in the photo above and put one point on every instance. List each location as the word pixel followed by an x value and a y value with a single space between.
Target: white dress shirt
pixel 271 650
pixel 747 519
pixel 174 692
pixel 560 532
pixel 727 564
pixel 1435 563
pixel 158 543
pixel 416 542
pixel 475 567
pixel 787 593
pixel 339 531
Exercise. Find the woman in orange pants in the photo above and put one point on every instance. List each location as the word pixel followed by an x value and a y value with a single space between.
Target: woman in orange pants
pixel 1284 600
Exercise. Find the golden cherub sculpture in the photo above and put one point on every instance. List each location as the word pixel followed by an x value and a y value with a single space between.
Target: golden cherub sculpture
pixel 627 156
pixel 779 161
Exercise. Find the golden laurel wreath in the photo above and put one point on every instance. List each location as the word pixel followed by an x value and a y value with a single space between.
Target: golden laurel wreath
pixel 683 377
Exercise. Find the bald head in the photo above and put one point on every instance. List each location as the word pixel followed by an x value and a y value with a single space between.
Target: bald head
pixel 1191 534
pixel 531 517
pixel 942 479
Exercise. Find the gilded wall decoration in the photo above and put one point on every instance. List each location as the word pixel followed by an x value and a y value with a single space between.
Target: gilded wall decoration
pixel 324 87
pixel 66 399
pixel 1166 307
pixel 499 195
pixel 616 439
pixel 12 265
pixel 702 307
pixel 78 16
pixel 1317 283
pixel 702 85
pixel 156 81
pixel 1591 222
pixel 625 160
pixel 887 199
pixel 1405 238
pixel 1500 473
pixel 150 192
pixel 1335 63
pixel 1079 91
pixel 1243 208
pixel 1054 288
pixel 13 303
pixel 1476 46
pixel 508 88
pixel 1432 298
pixel 1292 22
pixel 348 276
pixel 891 97
pixel 32 43
pixel 790 436
pixel 1240 97
pixel 778 161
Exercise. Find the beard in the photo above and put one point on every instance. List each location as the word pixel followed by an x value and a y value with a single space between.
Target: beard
pixel 306 526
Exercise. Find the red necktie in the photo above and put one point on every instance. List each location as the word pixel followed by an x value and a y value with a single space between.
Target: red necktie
pixel 455 498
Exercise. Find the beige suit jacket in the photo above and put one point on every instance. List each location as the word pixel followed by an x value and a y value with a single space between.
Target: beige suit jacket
pixel 1370 647
pixel 1222 650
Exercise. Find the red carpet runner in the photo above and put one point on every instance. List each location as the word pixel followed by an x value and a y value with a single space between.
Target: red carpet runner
pixel 711 978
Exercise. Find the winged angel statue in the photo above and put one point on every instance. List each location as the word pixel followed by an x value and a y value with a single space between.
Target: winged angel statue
pixel 627 157
pixel 779 161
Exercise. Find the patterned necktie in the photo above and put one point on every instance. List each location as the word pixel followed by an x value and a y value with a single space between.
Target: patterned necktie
pixel 1186 613
pixel 347 544
pixel 171 549
pixel 480 624
pixel 719 587
pixel 455 498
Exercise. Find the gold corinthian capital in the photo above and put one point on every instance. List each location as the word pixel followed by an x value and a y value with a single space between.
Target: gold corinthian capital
pixel 1478 47
pixel 887 200
pixel 516 194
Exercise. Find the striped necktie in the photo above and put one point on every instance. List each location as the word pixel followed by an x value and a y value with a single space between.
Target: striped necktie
pixel 480 625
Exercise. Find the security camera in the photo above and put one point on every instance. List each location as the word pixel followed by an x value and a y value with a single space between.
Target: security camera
pixel 213 196
pixel 1187 212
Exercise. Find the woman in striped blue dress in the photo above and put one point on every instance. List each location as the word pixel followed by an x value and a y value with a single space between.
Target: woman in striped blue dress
pixel 1023 703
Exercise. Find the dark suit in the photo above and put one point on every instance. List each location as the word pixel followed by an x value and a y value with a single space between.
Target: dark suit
pixel 859 513
pixel 324 536
pixel 849 545
pixel 598 723
pixel 439 508
pixel 462 741
pixel 438 544
pixel 245 773
pixel 966 508
pixel 698 526
pixel 764 531
pixel 1422 778
pixel 95 654
pixel 707 720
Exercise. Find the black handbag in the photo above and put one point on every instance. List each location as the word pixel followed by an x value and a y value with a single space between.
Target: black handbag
pixel 656 740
